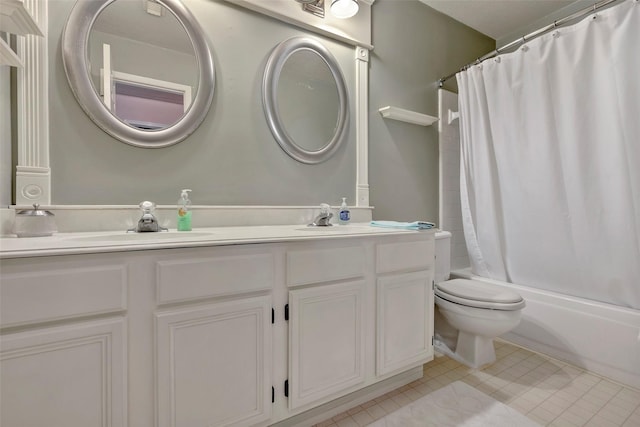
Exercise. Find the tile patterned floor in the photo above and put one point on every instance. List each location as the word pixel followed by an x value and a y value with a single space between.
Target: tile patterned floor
pixel 550 392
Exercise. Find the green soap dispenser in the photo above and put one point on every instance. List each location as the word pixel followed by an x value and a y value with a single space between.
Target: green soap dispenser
pixel 184 211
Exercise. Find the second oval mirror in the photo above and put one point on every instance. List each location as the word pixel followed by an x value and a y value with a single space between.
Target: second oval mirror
pixel 305 100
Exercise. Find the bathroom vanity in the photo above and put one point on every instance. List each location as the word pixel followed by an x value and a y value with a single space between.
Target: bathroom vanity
pixel 230 326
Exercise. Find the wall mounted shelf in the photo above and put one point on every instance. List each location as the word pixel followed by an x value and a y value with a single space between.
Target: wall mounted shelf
pixel 8 56
pixel 408 116
pixel 16 19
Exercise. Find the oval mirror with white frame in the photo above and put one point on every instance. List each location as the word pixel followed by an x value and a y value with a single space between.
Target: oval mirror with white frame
pixel 305 100
pixel 141 70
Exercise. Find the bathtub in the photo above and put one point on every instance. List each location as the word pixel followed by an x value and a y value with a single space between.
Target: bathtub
pixel 599 337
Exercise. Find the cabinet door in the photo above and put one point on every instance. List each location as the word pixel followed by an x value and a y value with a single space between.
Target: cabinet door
pixel 405 321
pixel 214 364
pixel 72 375
pixel 326 342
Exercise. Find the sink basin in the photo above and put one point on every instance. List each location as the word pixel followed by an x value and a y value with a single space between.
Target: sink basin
pixel 315 228
pixel 136 237
pixel 335 228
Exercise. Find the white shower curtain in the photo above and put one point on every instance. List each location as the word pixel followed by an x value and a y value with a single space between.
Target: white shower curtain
pixel 550 163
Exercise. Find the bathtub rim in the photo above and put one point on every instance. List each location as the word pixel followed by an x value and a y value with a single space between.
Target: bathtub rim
pixel 601 308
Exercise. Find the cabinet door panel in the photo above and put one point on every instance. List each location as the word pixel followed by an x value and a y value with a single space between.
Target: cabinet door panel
pixel 405 321
pixel 214 364
pixel 326 342
pixel 65 376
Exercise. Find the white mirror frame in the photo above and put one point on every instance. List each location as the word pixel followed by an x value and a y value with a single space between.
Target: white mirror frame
pixel 33 173
pixel 75 39
pixel 270 82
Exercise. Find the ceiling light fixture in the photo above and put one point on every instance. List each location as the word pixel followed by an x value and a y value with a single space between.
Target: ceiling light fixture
pixel 153 8
pixel 315 7
pixel 344 9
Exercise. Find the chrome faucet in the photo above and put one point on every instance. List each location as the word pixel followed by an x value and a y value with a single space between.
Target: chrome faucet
pixel 323 218
pixel 148 221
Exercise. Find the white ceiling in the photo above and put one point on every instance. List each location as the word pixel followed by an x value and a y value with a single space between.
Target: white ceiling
pixel 497 18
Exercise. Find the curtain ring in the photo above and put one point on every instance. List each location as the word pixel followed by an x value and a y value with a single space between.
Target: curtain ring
pixel 523 46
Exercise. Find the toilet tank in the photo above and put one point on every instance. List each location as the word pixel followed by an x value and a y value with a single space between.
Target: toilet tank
pixel 443 256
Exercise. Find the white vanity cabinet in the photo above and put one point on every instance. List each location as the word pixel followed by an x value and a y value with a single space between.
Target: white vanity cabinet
pixel 404 307
pixel 327 336
pixel 328 320
pixel 214 364
pixel 223 335
pixel 213 327
pixel 63 346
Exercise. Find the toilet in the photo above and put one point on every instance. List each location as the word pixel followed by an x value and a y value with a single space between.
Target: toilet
pixel 470 314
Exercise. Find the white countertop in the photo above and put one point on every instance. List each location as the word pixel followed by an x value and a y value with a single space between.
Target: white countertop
pixel 115 241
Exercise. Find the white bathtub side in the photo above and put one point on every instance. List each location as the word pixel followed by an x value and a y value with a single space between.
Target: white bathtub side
pixel 599 337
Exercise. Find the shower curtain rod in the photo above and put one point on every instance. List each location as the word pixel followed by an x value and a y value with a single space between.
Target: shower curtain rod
pixel 526 38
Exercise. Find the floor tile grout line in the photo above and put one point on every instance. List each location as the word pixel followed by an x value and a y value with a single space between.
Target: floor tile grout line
pixel 562 364
pixel 584 370
pixel 504 375
pixel 559 416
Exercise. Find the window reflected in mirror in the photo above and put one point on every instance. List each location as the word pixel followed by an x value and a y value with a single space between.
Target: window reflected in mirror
pixel 143 64
pixel 147 107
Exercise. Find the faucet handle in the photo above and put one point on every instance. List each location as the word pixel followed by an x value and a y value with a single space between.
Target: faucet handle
pixel 322 220
pixel 147 206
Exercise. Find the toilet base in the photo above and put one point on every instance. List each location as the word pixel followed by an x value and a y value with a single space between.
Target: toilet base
pixel 473 351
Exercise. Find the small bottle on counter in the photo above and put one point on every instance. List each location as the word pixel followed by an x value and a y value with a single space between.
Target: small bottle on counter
pixel 344 215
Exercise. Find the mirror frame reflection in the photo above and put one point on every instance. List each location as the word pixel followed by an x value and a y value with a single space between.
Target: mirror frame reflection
pixel 75 39
pixel 272 74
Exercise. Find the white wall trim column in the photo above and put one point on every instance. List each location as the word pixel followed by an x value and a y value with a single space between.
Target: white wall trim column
pixel 33 174
pixel 362 126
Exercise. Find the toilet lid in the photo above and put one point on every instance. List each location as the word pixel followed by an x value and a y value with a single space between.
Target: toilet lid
pixel 474 293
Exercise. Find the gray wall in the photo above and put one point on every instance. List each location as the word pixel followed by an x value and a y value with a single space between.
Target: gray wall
pixel 414 47
pixel 232 159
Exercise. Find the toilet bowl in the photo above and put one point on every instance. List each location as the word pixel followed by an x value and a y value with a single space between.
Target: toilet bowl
pixel 470 314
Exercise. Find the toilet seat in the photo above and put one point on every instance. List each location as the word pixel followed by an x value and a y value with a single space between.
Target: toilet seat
pixel 477 294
